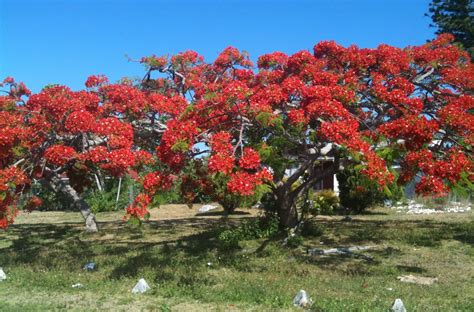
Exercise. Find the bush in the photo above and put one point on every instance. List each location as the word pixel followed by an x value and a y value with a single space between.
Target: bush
pixel 357 192
pixel 324 202
pixel 262 227
pixel 294 241
pixel 230 201
pixel 312 229
pixel 52 201
pixel 106 200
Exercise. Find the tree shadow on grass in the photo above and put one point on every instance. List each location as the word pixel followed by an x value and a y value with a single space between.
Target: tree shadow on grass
pixel 49 245
pixel 164 246
pixel 428 233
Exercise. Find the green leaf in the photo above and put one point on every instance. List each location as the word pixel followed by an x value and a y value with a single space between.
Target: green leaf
pixel 180 146
pixel 264 118
pixel 134 222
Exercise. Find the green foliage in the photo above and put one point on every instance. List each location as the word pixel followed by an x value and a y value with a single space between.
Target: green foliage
pixel 106 200
pixel 311 228
pixel 357 192
pixel 231 201
pixel 171 196
pixel 52 201
pixel 262 227
pixel 294 241
pixel 455 17
pixel 180 146
pixel 325 202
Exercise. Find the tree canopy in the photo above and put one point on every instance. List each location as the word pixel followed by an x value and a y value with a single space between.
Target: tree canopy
pixel 229 129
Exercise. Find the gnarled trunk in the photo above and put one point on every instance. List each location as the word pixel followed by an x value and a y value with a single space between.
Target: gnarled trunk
pixel 286 208
pixel 58 185
pixel 286 193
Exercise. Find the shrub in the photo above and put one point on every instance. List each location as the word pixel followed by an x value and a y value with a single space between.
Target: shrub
pixel 52 201
pixel 106 200
pixel 357 192
pixel 294 241
pixel 311 228
pixel 325 202
pixel 262 227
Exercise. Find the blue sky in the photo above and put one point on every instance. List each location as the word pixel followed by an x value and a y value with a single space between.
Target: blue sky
pixel 43 42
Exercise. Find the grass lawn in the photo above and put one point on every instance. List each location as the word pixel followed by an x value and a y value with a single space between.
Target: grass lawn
pixel 43 255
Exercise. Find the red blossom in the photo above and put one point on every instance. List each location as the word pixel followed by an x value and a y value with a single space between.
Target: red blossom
pixel 59 155
pixel 96 81
pixel 250 159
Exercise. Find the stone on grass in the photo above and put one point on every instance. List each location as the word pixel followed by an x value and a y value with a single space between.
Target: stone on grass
pixel 340 250
pixel 207 208
pixel 347 219
pixel 3 276
pixel 141 287
pixel 398 306
pixel 89 266
pixel 78 285
pixel 420 280
pixel 302 300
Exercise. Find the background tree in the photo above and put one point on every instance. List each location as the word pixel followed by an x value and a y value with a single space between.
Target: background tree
pixel 455 17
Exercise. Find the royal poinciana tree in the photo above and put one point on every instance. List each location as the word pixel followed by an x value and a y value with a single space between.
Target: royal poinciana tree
pixel 227 129
pixel 66 140
pixel 370 108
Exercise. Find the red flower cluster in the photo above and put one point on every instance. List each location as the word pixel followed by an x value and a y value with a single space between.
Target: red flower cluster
pixel 11 179
pixel 231 57
pixel 273 60
pixel 80 121
pixel 96 81
pixel 155 181
pixel 415 131
pixel 222 159
pixel 33 203
pixel 118 161
pixel 155 62
pixel 59 154
pixel 221 163
pixel 244 183
pixel 139 207
pixel 124 99
pixel 250 159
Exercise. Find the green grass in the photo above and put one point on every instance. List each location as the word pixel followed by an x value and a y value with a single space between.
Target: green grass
pixel 43 255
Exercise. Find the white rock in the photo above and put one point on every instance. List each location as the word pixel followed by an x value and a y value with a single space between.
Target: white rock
pixel 3 276
pixel 302 299
pixel 398 306
pixel 207 208
pixel 419 209
pixel 78 285
pixel 141 287
pixel 420 280
pixel 340 250
pixel 209 264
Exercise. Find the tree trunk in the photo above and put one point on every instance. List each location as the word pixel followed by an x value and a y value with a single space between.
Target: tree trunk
pixel 286 209
pixel 79 203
